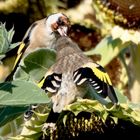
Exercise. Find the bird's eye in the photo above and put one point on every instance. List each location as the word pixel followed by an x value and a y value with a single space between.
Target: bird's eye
pixel 60 21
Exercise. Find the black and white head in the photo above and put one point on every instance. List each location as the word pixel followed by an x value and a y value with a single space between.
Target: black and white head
pixel 57 23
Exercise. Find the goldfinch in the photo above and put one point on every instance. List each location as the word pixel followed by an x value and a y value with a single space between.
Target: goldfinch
pixel 43 34
pixel 73 74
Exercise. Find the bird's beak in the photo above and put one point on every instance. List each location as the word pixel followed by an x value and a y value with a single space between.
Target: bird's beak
pixel 62 30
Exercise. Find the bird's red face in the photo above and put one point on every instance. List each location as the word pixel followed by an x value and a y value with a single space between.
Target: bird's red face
pixel 59 23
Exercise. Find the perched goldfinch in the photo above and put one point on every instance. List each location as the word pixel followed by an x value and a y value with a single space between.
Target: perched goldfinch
pixel 43 34
pixel 73 74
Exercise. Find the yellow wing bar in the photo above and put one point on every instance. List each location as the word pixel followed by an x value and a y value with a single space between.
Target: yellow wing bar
pixel 19 54
pixel 99 72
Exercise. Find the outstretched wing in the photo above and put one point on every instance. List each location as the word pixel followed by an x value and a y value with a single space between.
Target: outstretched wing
pixel 98 79
pixel 51 83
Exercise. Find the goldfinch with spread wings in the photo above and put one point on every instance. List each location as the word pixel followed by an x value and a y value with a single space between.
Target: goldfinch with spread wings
pixel 73 74
pixel 43 34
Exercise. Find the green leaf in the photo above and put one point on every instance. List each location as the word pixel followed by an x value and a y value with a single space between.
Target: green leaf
pixel 21 93
pixel 6 39
pixel 122 111
pixel 135 106
pixel 10 34
pixel 20 74
pixel 9 113
pixel 13 127
pixel 108 48
pixel 37 63
pixel 4 43
pixel 2 56
pixel 120 96
pixel 13 45
pixel 85 105
pixel 32 128
pixel 126 113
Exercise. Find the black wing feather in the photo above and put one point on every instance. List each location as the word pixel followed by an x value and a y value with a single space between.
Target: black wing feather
pixel 102 88
pixel 52 83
